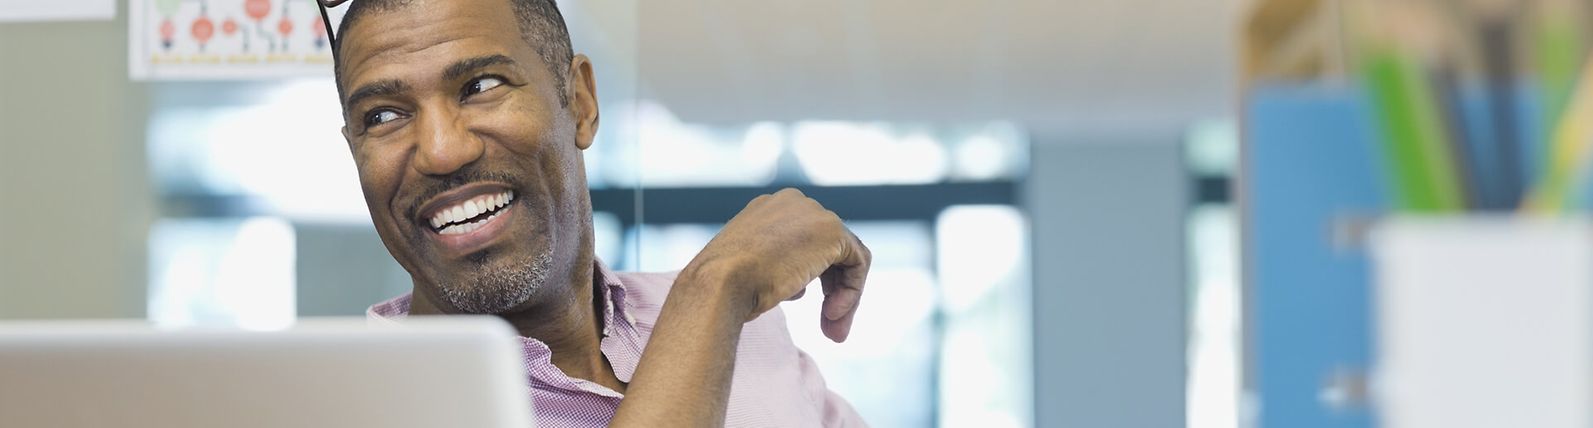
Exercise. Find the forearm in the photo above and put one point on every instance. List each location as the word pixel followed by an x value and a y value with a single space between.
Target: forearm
pixel 683 379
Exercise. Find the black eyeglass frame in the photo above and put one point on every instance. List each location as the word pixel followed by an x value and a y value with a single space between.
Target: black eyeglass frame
pixel 326 20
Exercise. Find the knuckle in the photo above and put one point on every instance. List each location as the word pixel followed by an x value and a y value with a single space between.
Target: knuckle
pixel 839 232
pixel 814 204
pixel 790 191
pixel 759 200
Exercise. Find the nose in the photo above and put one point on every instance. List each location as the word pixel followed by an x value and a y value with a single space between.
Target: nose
pixel 445 143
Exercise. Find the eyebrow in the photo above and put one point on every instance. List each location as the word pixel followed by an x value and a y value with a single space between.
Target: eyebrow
pixel 465 66
pixel 458 69
pixel 380 88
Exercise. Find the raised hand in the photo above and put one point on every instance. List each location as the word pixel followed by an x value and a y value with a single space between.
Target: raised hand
pixel 778 244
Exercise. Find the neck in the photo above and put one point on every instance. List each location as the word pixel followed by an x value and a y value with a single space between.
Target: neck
pixel 571 325
pixel 568 319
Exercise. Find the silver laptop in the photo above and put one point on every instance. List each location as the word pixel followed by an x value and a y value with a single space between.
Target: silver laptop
pixel 437 372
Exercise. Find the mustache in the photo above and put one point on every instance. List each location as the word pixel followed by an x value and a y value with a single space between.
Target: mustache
pixel 431 186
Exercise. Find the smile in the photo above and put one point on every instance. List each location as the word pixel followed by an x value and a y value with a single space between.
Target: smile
pixel 470 215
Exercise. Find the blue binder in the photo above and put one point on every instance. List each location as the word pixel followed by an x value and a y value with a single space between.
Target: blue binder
pixel 1311 161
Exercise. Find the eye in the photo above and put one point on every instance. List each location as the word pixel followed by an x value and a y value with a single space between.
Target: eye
pixel 479 85
pixel 380 116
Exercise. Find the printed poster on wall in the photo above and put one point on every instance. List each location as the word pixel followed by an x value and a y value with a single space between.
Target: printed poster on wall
pixel 228 39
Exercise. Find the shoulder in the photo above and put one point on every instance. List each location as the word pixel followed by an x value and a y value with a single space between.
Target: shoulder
pixel 774 384
pixel 645 293
pixel 643 296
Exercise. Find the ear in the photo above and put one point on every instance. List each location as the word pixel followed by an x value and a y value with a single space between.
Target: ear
pixel 583 101
pixel 347 138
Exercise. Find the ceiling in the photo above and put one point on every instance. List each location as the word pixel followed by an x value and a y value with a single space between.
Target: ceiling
pixel 1063 65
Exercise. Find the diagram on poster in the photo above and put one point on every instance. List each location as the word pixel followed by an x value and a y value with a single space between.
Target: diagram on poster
pixel 227 39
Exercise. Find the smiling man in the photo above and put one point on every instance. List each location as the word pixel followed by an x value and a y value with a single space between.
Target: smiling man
pixel 467 120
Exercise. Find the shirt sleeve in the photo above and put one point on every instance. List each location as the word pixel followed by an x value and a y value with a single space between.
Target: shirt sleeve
pixel 835 411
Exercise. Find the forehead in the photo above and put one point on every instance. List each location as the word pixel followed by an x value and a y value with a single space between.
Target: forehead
pixel 423 36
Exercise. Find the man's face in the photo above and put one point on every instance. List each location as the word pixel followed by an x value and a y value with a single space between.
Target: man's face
pixel 470 165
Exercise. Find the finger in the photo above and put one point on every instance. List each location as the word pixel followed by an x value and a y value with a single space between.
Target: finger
pixel 843 281
pixel 840 306
pixel 840 295
pixel 843 291
pixel 839 329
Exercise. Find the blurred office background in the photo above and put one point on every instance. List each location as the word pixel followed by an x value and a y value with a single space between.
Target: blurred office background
pixel 1043 184
pixel 1049 188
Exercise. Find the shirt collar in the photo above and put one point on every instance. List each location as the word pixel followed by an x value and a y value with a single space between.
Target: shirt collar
pixel 615 307
pixel 620 342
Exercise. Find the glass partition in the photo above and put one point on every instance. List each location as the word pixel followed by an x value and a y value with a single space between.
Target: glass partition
pixel 255 169
pixel 736 104
pixel 251 164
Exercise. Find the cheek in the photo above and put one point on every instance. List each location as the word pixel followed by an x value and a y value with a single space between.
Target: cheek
pixel 379 174
pixel 525 123
pixel 539 137
pixel 526 136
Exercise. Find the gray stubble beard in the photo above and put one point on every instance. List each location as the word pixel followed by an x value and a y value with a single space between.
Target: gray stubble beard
pixel 498 290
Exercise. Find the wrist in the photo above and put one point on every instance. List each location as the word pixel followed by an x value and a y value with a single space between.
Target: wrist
pixel 714 283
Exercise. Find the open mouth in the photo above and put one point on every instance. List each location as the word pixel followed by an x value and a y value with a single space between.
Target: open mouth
pixel 469 215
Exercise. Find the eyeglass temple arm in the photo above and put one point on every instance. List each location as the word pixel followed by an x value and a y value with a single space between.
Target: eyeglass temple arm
pixel 326 21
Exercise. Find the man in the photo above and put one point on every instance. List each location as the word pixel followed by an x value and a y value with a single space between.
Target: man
pixel 467 119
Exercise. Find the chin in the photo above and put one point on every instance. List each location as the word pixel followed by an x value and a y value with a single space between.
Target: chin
pixel 495 284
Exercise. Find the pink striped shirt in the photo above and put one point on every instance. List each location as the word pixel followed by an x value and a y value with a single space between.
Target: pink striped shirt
pixel 774 385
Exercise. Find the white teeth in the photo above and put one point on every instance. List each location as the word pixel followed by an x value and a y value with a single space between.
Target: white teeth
pixel 468 210
pixel 460 229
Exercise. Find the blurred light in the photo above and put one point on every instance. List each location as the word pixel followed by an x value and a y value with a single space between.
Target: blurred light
pixel 981 157
pixel 286 150
pixel 985 367
pixel 607 237
pixel 844 153
pixel 668 248
pixel 761 146
pixel 675 154
pixel 303 170
pixel 980 248
pixel 1213 148
pixel 1213 390
pixel 222 273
